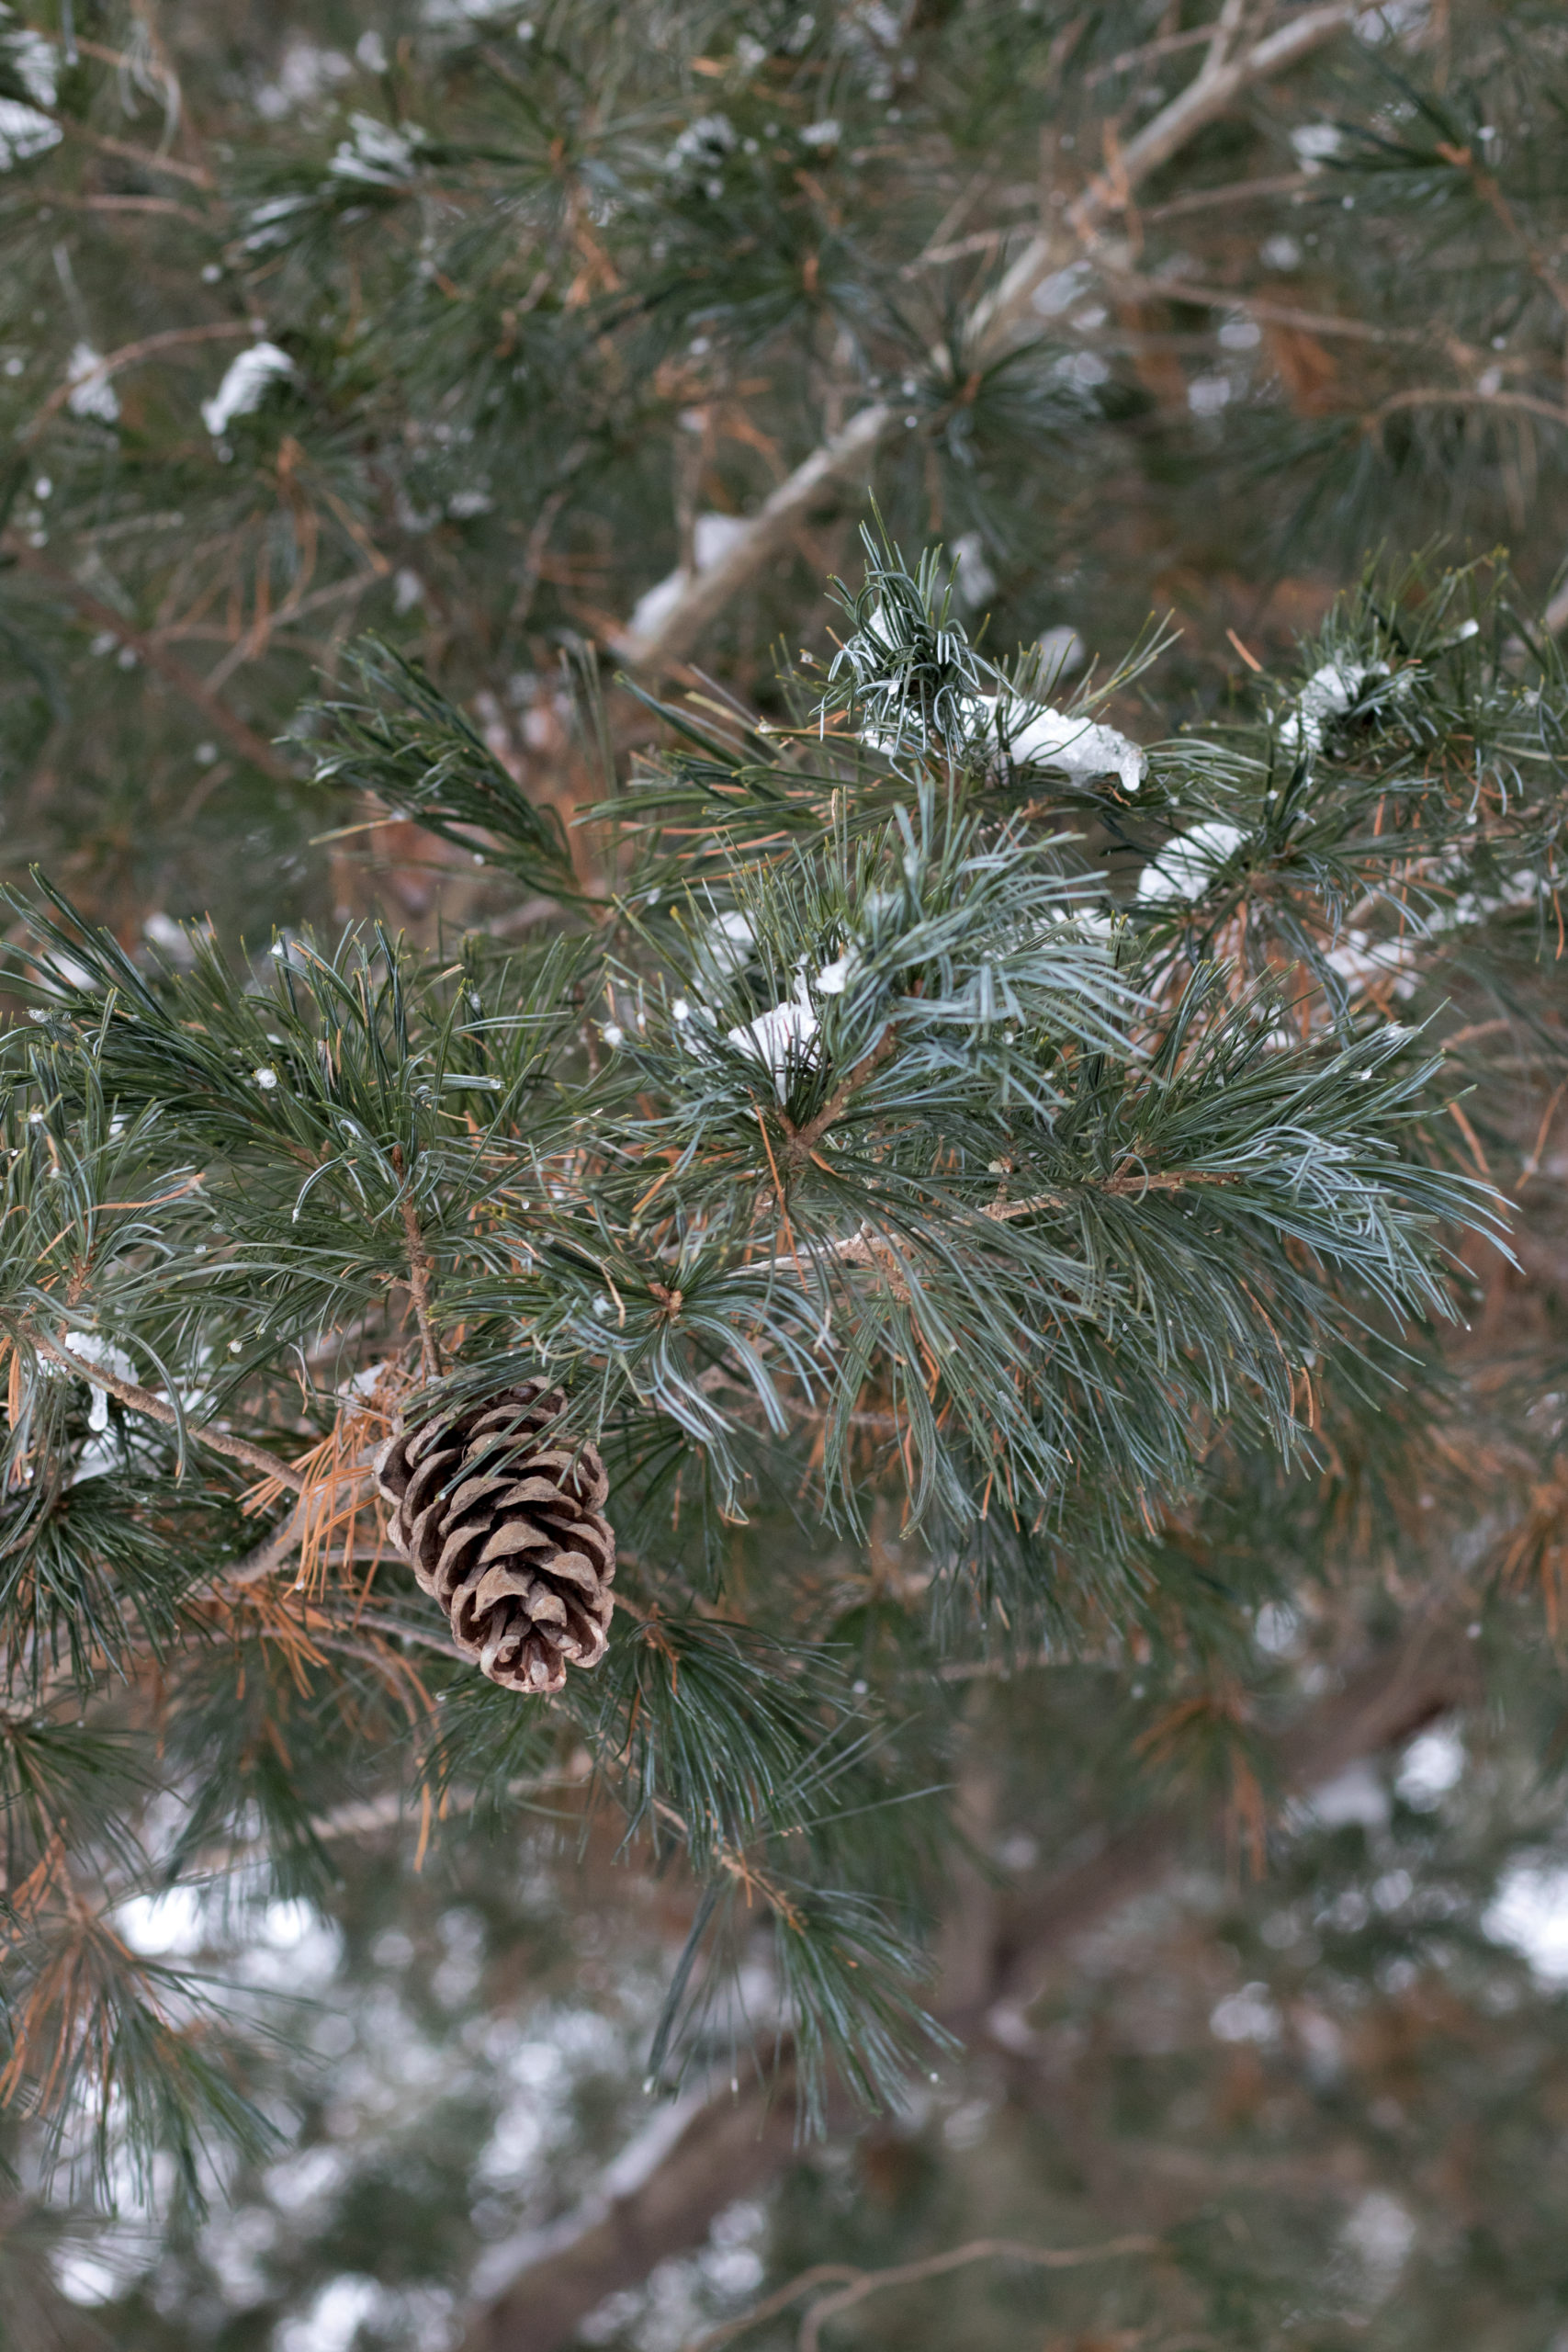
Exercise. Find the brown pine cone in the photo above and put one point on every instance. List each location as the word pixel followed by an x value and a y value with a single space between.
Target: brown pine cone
pixel 508 1534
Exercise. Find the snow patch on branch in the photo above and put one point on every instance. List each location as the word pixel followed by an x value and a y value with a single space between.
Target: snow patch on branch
pixel 24 133
pixel 712 539
pixel 246 384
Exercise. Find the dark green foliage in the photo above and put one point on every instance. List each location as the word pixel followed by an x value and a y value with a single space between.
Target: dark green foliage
pixel 1061 1260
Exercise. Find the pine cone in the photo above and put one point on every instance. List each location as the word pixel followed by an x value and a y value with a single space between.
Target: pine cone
pixel 508 1534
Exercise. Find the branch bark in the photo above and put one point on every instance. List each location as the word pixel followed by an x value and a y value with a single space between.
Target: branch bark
pixel 1212 92
pixel 732 2145
pixel 142 1400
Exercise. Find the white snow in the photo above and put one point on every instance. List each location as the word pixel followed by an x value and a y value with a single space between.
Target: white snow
pixel 91 393
pixel 36 62
pixel 835 978
pixel 93 1349
pixel 728 942
pixel 784 1039
pixel 1377 2236
pixel 245 384
pixel 379 154
pixel 1432 1764
pixel 24 132
pixel 1530 1912
pixel 712 537
pixel 1314 143
pixel 1037 736
pixel 1186 866
pixel 1355 1795
pixel 1329 693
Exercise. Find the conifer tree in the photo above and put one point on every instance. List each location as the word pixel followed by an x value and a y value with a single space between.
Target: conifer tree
pixel 587 1235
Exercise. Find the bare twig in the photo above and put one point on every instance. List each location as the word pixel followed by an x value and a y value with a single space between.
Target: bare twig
pixel 823 2274
pixel 156 1408
pixel 129 354
pixel 1436 396
pixel 958 2257
pixel 420 1268
pixel 1284 314
pixel 1212 92
pixel 707 593
pixel 158 659
pixel 144 156
pixel 1207 96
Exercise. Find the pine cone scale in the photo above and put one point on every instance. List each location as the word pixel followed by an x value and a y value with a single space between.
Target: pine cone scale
pixel 507 1534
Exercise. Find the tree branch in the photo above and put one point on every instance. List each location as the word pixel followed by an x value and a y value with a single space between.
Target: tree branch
pixel 732 2145
pixel 142 1400
pixel 1212 92
pixel 858 2284
pixel 802 1140
pixel 420 1272
pixel 224 331
pixel 958 2257
pixel 706 594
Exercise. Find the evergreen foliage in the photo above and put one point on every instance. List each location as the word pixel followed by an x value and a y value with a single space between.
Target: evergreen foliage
pixel 1017 1166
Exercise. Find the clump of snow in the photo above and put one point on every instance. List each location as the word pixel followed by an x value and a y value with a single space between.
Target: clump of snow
pixel 1314 143
pixel 1356 1797
pixel 380 154
pixel 1037 736
pixel 835 978
pixel 728 941
pixel 700 151
pixel 1186 866
pixel 244 385
pixel 783 1039
pixel 33 60
pixel 1377 2236
pixel 1329 693
pixel 1530 1912
pixel 24 133
pixel 91 394
pixel 1432 1764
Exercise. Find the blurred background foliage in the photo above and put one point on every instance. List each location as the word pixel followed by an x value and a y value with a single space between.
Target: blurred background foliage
pixel 487 328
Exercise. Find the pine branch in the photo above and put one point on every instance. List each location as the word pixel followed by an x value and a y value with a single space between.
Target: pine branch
pixel 706 594
pixel 1221 81
pixel 149 346
pixel 734 2144
pixel 142 1400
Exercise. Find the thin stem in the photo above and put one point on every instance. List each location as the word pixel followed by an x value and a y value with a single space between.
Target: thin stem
pixel 420 1272
pixel 935 2266
pixel 803 1139
pixel 156 658
pixel 129 354
pixel 141 1400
